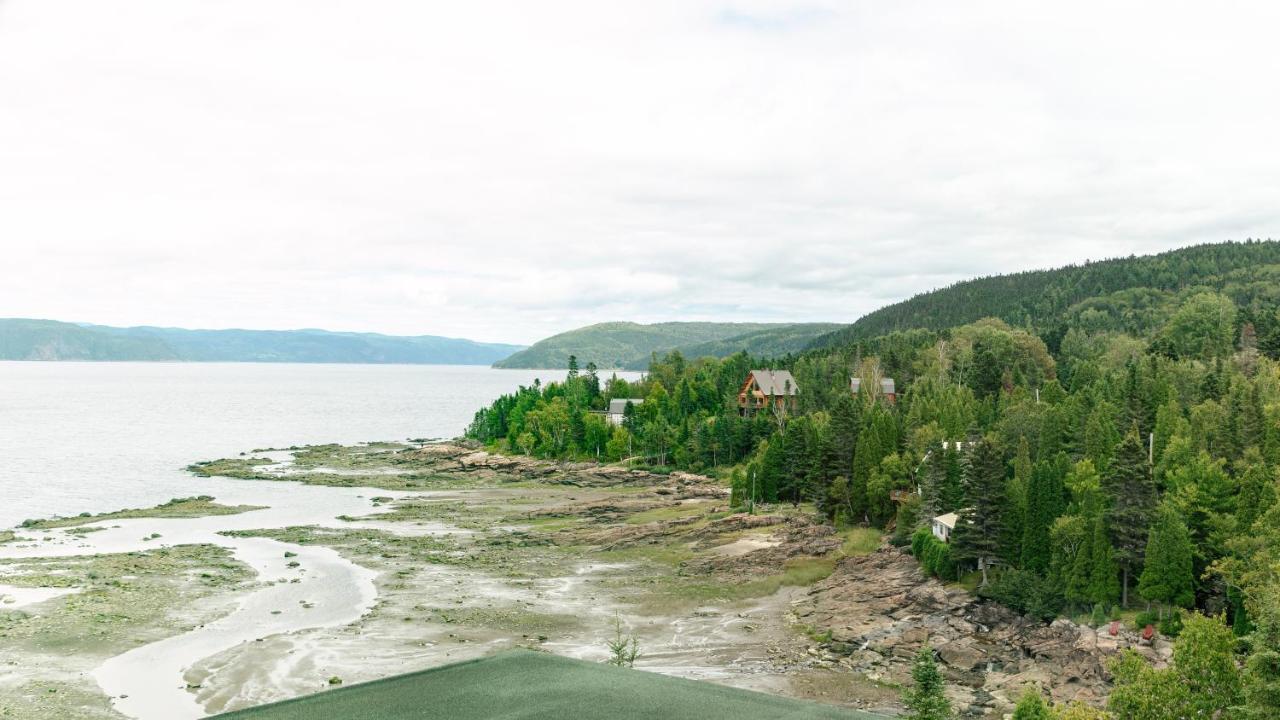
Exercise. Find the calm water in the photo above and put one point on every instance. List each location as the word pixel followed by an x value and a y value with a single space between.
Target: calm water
pixel 78 437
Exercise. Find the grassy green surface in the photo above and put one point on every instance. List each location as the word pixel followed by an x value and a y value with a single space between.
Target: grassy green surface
pixel 527 685
pixel 201 506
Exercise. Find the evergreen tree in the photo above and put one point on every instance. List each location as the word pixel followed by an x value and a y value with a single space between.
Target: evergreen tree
pixel 978 530
pixel 1044 504
pixel 1132 494
pixel 1017 500
pixel 926 699
pixel 1167 574
pixel 932 485
pixel 1103 586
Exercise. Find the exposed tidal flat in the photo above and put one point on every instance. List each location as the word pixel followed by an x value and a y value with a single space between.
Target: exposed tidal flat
pixel 332 564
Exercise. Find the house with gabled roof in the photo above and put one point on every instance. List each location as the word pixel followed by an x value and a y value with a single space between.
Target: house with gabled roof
pixel 768 389
pixel 888 391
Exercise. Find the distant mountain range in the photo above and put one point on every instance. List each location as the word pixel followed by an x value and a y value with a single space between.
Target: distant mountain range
pixel 22 339
pixel 628 345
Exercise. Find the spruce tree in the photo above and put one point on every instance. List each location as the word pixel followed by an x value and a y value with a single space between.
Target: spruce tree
pixel 978 530
pixel 1044 504
pixel 932 482
pixel 926 699
pixel 1103 585
pixel 1168 575
pixel 1017 500
pixel 1132 494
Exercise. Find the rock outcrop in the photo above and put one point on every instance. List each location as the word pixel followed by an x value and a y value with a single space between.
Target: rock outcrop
pixel 878 611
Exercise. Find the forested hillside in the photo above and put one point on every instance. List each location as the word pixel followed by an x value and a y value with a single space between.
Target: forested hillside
pixel 1131 294
pixel 626 345
pixel 50 340
pixel 1113 458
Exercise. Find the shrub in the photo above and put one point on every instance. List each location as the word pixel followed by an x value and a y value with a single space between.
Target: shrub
pixel 1145 618
pixel 1025 592
pixel 1172 624
pixel 1099 616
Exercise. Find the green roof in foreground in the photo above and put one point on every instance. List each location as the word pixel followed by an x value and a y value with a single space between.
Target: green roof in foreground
pixel 523 684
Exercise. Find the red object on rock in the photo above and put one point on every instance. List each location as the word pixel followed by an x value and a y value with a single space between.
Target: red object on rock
pixel 1115 628
pixel 1148 632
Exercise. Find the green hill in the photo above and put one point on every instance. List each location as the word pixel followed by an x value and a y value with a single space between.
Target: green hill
pixel 629 345
pixel 1132 294
pixel 22 339
pixel 769 342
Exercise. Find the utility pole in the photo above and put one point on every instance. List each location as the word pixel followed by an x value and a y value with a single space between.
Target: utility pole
pixel 753 492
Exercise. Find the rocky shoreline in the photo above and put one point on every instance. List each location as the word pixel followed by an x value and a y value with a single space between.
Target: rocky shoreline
pixel 879 610
pixel 471 551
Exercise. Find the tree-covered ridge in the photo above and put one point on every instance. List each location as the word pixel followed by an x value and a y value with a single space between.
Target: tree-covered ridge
pixel 626 345
pixel 50 340
pixel 1091 477
pixel 1132 294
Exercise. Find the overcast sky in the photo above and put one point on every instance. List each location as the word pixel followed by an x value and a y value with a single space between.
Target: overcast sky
pixel 506 170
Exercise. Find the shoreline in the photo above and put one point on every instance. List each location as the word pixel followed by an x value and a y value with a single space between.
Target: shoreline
pixel 463 556
pixel 386 558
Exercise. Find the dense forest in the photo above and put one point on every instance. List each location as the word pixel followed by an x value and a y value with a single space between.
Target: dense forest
pixel 1113 458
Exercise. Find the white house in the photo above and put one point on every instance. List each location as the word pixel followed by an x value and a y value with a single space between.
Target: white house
pixel 618 409
pixel 943 525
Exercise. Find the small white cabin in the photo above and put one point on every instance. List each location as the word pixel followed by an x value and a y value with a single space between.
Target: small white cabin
pixel 943 525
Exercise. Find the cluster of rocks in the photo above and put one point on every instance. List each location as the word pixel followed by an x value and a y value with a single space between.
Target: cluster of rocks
pixel 878 610
pixel 468 458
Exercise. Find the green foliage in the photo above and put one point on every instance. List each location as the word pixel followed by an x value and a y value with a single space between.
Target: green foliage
pixel 933 554
pixel 1024 591
pixel 978 530
pixel 633 345
pixel 925 699
pixel 1032 707
pixel 1131 295
pixel 1132 493
pixel 1167 574
pixel 1202 681
pixel 1204 327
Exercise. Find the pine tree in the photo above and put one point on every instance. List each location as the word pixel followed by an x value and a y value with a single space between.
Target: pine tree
pixel 1044 504
pixel 932 482
pixel 926 699
pixel 978 530
pixel 1168 575
pixel 1017 500
pixel 1128 485
pixel 1103 586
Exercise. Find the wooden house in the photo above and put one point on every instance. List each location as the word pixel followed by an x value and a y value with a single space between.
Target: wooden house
pixel 888 392
pixel 617 411
pixel 768 389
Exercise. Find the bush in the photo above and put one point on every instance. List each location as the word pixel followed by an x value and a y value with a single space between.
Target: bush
pixel 1025 592
pixel 1172 624
pixel 933 554
pixel 1099 617
pixel 919 539
pixel 1145 618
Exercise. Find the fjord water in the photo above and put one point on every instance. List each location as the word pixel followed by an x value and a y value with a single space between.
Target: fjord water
pixel 94 437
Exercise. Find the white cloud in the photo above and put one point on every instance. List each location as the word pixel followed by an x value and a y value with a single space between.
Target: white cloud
pixel 505 170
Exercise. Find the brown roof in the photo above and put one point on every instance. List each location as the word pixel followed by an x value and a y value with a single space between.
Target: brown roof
pixel 776 382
